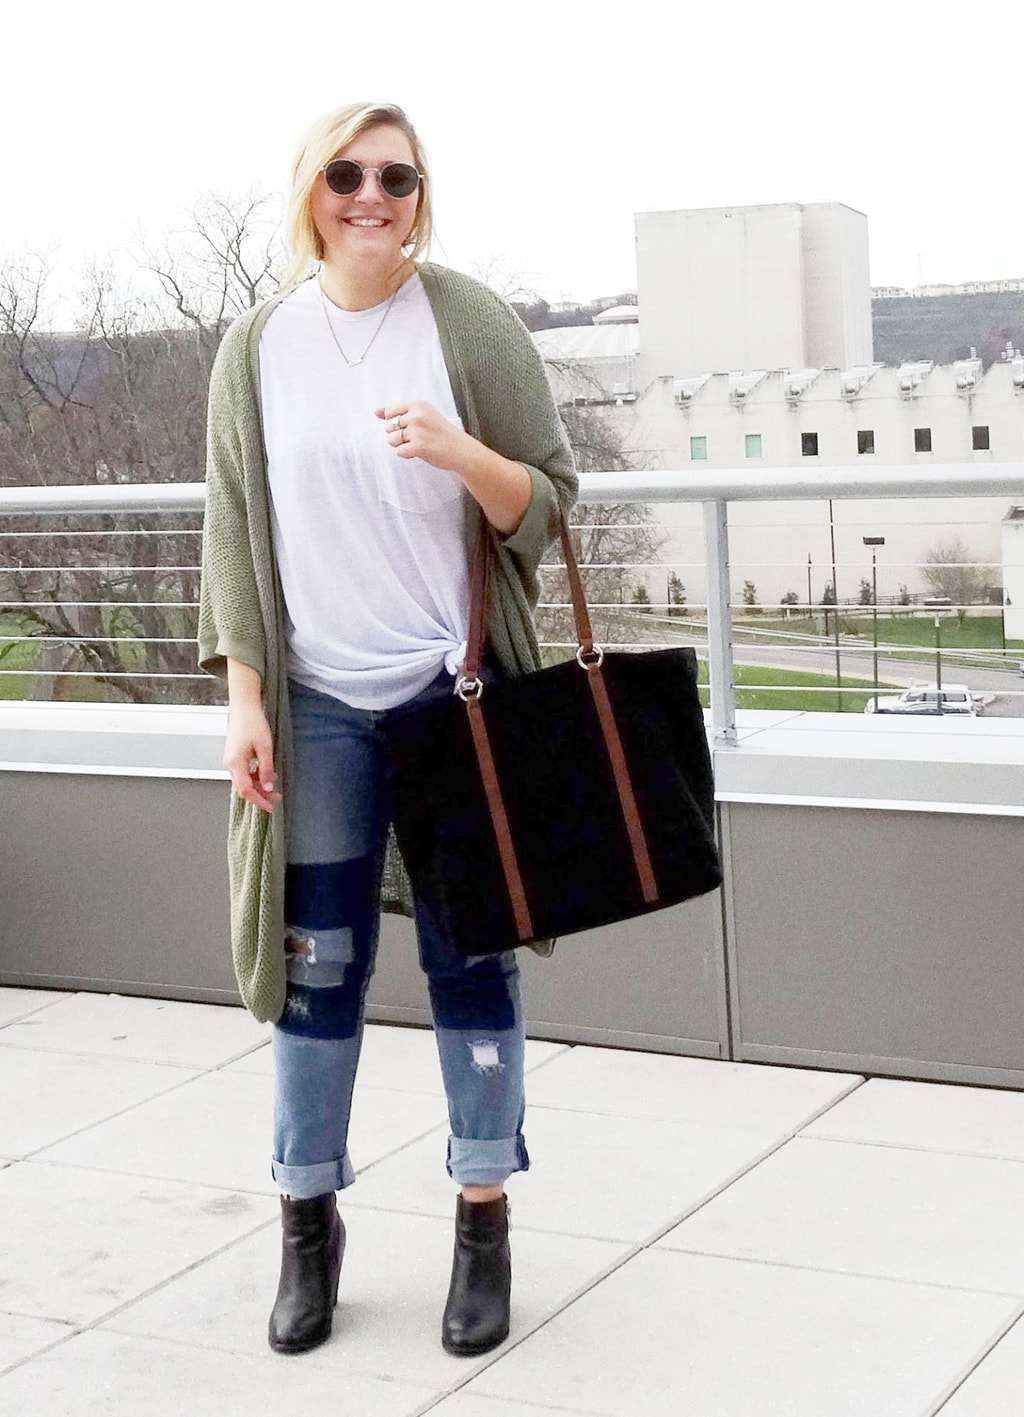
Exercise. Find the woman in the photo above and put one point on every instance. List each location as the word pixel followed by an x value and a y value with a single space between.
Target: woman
pixel 361 423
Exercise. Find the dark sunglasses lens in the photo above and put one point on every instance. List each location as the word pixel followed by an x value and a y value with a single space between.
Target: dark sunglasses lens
pixel 343 176
pixel 399 179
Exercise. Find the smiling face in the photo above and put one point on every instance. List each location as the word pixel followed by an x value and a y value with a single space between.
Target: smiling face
pixel 366 227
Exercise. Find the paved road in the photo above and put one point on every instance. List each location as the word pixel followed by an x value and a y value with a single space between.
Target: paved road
pixel 894 672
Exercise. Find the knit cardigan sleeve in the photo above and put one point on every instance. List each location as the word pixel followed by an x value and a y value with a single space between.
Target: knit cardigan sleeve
pixel 231 623
pixel 519 420
pixel 504 398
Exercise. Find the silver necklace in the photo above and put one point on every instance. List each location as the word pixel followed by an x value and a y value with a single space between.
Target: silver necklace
pixel 334 336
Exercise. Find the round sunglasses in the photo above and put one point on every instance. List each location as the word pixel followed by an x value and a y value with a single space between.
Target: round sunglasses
pixel 397 179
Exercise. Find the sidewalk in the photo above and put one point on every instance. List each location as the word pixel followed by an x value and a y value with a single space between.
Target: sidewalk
pixel 695 1239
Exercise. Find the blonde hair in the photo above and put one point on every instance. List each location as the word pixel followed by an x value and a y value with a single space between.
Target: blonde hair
pixel 326 137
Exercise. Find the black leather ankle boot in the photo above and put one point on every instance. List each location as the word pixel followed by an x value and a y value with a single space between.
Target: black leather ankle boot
pixel 477 1312
pixel 312 1244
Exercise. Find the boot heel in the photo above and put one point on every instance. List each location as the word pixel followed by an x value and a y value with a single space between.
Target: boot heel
pixel 338 1254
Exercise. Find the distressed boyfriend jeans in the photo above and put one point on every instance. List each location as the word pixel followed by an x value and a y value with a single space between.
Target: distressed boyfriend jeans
pixel 338 820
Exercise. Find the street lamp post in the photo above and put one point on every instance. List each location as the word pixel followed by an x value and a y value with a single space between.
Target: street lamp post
pixel 810 611
pixel 835 608
pixel 874 542
pixel 938 658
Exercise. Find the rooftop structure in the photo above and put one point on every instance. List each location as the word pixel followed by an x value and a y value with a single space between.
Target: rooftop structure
pixel 760 287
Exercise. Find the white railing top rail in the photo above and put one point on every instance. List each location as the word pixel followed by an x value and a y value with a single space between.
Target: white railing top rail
pixel 966 479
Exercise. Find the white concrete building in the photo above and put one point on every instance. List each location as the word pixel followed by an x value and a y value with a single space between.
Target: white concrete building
pixel 715 369
pixel 766 287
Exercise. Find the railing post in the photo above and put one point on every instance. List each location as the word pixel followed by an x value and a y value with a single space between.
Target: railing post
pixel 720 662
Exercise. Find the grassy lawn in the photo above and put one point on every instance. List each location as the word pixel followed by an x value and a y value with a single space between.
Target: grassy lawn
pixel 786 691
pixel 14 656
pixel 77 689
pixel 899 628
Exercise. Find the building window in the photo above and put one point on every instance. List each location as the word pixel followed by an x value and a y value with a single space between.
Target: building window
pixel 753 445
pixel 809 445
pixel 866 440
pixel 922 440
pixel 699 449
pixel 979 438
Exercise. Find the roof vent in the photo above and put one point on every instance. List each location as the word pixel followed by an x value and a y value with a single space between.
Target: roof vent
pixel 741 384
pixel 799 382
pixel 909 376
pixel 851 381
pixel 966 373
pixel 683 390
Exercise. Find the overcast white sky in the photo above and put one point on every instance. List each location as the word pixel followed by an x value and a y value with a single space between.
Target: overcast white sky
pixel 548 123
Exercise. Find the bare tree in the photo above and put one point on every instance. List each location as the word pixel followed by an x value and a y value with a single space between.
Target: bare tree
pixel 951 570
pixel 224 260
pixel 612 541
pixel 123 399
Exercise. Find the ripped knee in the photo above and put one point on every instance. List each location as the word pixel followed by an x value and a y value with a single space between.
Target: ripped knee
pixel 485 1057
pixel 299 945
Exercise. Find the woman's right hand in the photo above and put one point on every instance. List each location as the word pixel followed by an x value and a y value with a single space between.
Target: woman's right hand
pixel 249 746
pixel 249 756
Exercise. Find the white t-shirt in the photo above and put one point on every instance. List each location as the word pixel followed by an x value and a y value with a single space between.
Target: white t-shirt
pixel 372 548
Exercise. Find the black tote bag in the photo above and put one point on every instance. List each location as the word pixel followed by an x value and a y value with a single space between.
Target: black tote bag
pixel 557 801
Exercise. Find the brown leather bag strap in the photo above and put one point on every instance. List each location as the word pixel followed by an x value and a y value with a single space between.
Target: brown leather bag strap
pixel 580 612
pixel 478 597
pixel 623 783
pixel 470 689
pixel 499 819
pixel 590 658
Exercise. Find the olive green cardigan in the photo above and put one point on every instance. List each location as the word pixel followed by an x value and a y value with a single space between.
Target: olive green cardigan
pixel 502 395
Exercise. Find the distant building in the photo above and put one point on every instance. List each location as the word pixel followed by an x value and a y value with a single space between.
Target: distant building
pixel 714 370
pixel 765 287
pixel 969 287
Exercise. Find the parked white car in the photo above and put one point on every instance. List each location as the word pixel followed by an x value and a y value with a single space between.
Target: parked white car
pixel 928 699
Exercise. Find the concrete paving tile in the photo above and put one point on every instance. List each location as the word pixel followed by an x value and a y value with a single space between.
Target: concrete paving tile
pixel 771 1100
pixel 619 1178
pixel 21 1336
pixel 217 1131
pixel 994 1388
pixel 47 1096
pixel 910 1215
pixel 393 1287
pixel 404 1059
pixel 15 1003
pixel 98 1373
pixel 476 1405
pixel 984 1121
pixel 149 1030
pixel 214 1131
pixel 723 1338
pixel 78 1243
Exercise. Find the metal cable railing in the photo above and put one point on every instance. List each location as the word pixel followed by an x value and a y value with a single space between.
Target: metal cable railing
pixel 109 608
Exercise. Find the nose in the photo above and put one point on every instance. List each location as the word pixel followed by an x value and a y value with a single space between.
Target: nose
pixel 370 188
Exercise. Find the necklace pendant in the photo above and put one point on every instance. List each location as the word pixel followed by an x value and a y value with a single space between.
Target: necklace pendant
pixel 353 362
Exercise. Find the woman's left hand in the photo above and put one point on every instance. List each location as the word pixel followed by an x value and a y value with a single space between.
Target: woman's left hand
pixel 418 430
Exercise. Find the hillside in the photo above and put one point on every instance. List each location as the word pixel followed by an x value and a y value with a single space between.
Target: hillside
pixel 937 327
pixel 945 327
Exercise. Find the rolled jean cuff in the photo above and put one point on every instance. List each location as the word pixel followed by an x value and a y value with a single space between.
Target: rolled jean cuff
pixel 486 1163
pixel 302 1183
